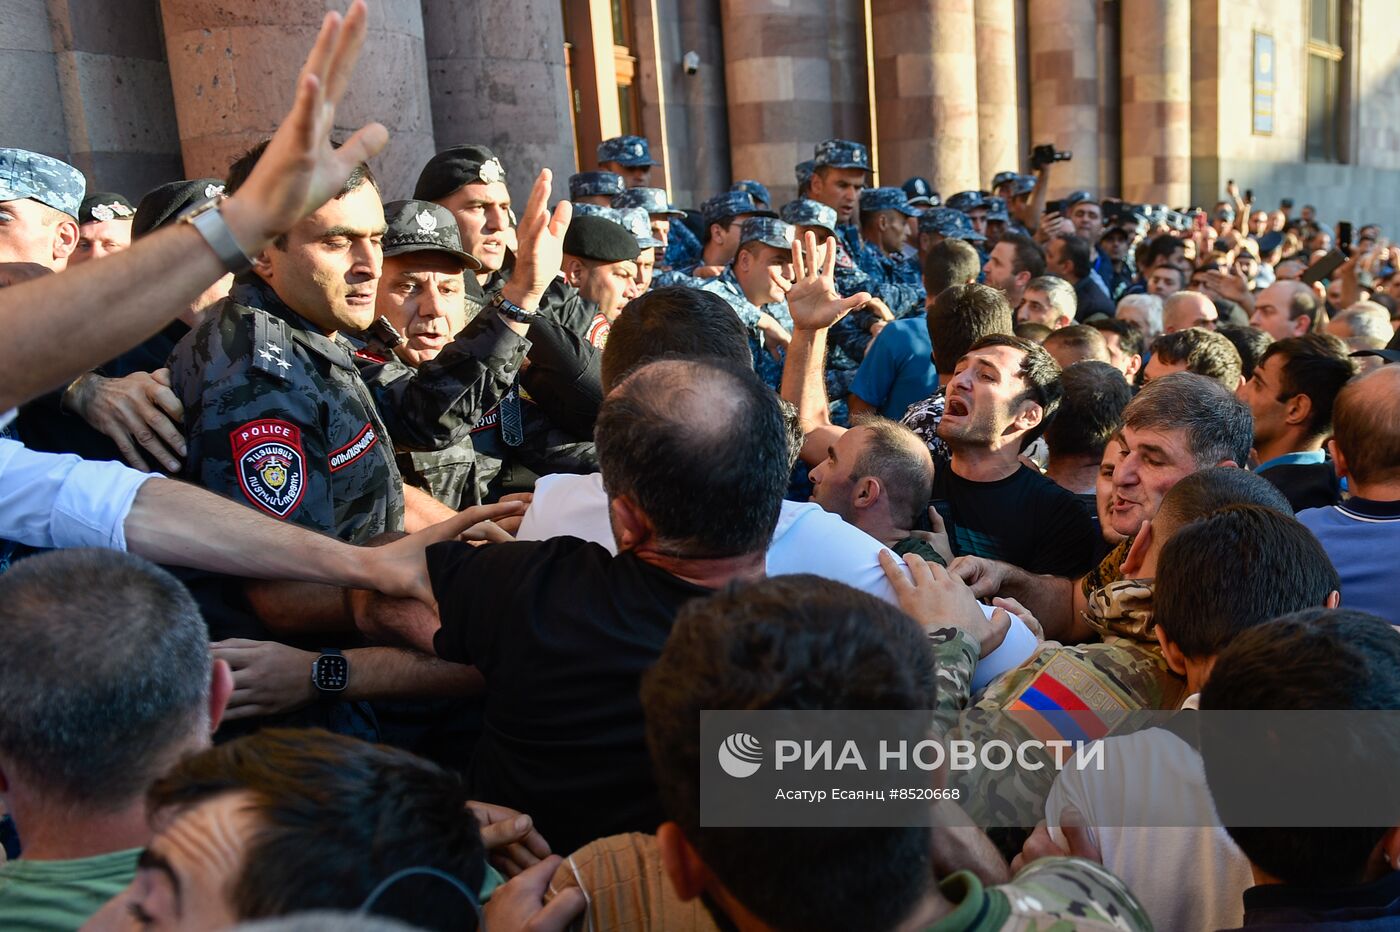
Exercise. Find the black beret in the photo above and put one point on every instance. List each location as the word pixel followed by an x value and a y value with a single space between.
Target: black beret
pixel 166 204
pixel 599 239
pixel 451 168
pixel 103 206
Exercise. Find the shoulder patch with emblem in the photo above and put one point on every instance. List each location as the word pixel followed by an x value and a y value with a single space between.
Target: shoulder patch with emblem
pixel 271 467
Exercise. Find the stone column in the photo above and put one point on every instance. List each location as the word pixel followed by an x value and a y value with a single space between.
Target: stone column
pixel 1156 101
pixel 998 133
pixel 32 109
pixel 117 105
pixel 497 77
pixel 697 128
pixel 926 92
pixel 777 74
pixel 1064 88
pixel 233 67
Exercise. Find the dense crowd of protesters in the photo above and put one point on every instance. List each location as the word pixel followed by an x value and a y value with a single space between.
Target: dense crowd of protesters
pixel 378 555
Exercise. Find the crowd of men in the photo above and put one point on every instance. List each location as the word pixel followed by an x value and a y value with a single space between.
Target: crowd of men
pixel 370 554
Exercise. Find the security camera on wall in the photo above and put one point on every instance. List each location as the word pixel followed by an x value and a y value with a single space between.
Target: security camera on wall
pixel 690 62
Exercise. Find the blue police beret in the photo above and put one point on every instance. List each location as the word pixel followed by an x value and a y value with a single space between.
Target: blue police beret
pixel 652 200
pixel 873 199
pixel 592 184
pixel 841 153
pixel 25 174
pixel 770 231
pixel 632 151
pixel 805 212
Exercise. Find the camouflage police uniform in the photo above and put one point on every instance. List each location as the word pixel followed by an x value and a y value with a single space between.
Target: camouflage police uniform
pixel 893 279
pixel 681 244
pixel 277 417
pixel 721 209
pixel 770 232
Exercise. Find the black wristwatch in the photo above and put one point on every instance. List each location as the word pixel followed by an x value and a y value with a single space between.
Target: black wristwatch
pixel 330 672
pixel 510 309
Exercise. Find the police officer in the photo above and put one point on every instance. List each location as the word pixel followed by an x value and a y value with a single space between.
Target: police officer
pixel 921 197
pixel 840 169
pixel 884 216
pixel 940 223
pixel 639 223
pixel 998 219
pixel 809 216
pixel 723 214
pixel 746 284
pixel 595 188
pixel 760 193
pixel 974 205
pixel 661 215
pixel 544 421
pixel 104 226
pixel 41 195
pixel 628 156
pixel 422 295
pixel 600 260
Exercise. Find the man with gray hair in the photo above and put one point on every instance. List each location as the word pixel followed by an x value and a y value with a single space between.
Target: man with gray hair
pixel 1048 300
pixel 1144 312
pixel 103 687
pixel 1363 326
pixel 1176 425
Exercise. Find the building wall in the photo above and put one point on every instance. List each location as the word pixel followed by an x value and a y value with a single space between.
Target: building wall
pixel 1368 190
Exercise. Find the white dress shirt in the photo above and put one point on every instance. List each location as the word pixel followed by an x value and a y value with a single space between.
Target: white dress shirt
pixel 60 500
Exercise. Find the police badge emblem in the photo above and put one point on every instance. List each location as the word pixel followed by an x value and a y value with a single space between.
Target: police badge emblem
pixel 491 171
pixel 427 223
pixel 267 457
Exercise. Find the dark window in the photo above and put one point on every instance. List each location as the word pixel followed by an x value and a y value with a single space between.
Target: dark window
pixel 1326 90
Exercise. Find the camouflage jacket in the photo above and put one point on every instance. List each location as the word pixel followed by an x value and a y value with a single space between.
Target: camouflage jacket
pixel 682 247
pixel 1050 895
pixel 434 406
pixel 727 287
pixel 277 417
pixel 893 279
pixel 1063 693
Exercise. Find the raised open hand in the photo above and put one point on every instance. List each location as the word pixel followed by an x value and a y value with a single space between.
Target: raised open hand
pixel 540 250
pixel 301 170
pixel 812 298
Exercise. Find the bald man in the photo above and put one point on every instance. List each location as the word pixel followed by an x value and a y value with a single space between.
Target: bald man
pixel 1362 534
pixel 1285 309
pixel 1187 309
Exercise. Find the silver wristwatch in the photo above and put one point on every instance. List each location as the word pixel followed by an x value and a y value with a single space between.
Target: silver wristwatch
pixel 512 310
pixel 207 219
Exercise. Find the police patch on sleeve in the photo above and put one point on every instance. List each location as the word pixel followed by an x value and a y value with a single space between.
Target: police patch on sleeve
pixel 271 469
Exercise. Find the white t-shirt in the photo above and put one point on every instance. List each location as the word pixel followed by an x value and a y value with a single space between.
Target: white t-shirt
pixel 1185 877
pixel 806 540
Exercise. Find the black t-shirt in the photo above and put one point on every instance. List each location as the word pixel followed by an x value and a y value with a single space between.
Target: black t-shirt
pixel 562 631
pixel 1025 519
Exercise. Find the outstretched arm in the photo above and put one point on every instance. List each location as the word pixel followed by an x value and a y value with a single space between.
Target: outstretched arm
pixel 103 308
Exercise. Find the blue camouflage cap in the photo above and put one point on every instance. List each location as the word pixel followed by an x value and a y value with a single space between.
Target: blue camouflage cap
pixel 756 188
pixel 597 210
pixel 950 223
pixel 1079 197
pixel 873 199
pixel 841 153
pixel 920 192
pixel 652 200
pixel 966 200
pixel 638 223
pixel 770 231
pixel 803 171
pixel 632 151
pixel 595 184
pixel 996 209
pixel 1024 184
pixel 805 212
pixel 25 174
pixel 1001 178
pixel 721 207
